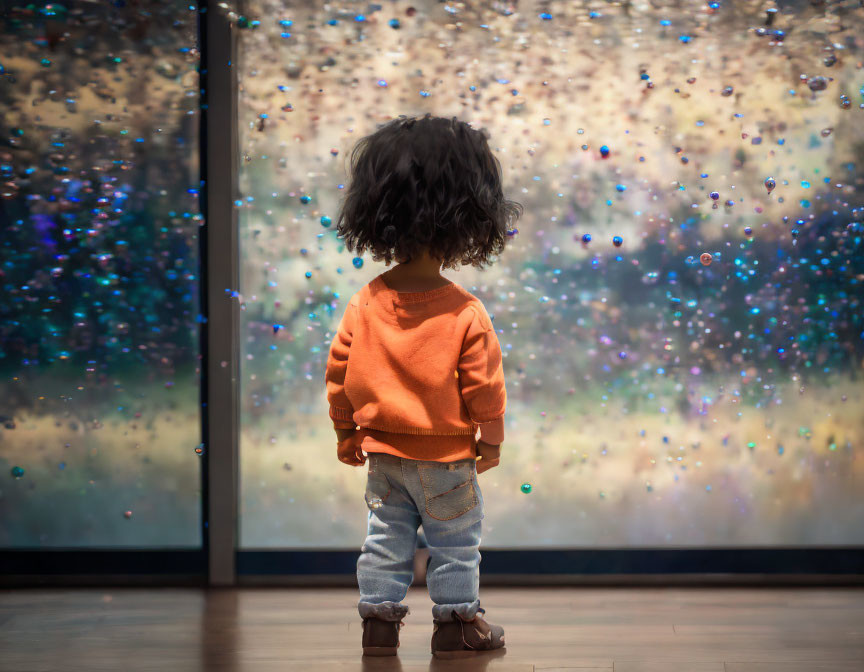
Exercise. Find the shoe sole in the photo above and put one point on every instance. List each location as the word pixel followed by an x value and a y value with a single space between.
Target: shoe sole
pixel 465 653
pixel 379 651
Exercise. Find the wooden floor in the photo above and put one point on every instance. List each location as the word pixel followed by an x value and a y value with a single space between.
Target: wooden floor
pixel 625 630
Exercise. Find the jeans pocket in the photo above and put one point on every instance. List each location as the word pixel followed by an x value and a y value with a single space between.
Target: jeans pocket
pixel 448 488
pixel 377 486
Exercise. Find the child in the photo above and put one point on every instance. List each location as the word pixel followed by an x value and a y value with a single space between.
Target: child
pixel 415 370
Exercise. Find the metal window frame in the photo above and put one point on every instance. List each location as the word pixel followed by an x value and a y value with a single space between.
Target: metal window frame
pixel 220 561
pixel 589 566
pixel 220 254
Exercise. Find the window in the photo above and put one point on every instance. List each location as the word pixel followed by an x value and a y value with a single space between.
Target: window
pixel 683 378
pixel 100 435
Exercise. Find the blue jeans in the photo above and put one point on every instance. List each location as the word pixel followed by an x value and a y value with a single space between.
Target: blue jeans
pixel 445 498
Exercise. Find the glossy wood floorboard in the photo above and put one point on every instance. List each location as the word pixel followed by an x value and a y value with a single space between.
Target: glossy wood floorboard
pixel 548 629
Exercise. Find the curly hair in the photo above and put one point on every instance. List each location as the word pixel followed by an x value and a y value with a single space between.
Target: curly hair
pixel 426 184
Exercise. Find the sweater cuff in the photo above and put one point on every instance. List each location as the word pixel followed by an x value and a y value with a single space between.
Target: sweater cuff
pixel 492 432
pixel 344 414
pixel 344 424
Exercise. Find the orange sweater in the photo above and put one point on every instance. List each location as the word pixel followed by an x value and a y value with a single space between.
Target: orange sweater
pixel 417 372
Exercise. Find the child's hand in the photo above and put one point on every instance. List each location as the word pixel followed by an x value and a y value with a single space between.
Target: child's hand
pixel 347 449
pixel 489 456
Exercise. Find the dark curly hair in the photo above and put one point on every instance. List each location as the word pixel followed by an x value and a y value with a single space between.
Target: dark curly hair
pixel 426 184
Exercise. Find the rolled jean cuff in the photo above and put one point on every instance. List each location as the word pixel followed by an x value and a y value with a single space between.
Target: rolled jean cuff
pixel 444 612
pixel 386 611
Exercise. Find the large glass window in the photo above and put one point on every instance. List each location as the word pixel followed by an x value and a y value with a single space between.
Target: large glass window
pixel 99 392
pixel 680 311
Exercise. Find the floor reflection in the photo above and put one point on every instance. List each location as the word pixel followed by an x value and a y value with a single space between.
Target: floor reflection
pixel 384 664
pixel 476 663
pixel 219 630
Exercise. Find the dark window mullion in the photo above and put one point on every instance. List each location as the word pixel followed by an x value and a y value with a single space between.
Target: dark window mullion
pixel 219 282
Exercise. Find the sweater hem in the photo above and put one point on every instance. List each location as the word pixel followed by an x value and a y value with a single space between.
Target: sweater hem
pixel 431 455
pixel 422 431
pixel 406 446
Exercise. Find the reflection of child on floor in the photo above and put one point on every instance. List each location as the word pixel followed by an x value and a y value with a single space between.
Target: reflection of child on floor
pixel 415 369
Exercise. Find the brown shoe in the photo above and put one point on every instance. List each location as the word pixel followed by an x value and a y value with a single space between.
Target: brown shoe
pixel 460 638
pixel 380 637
